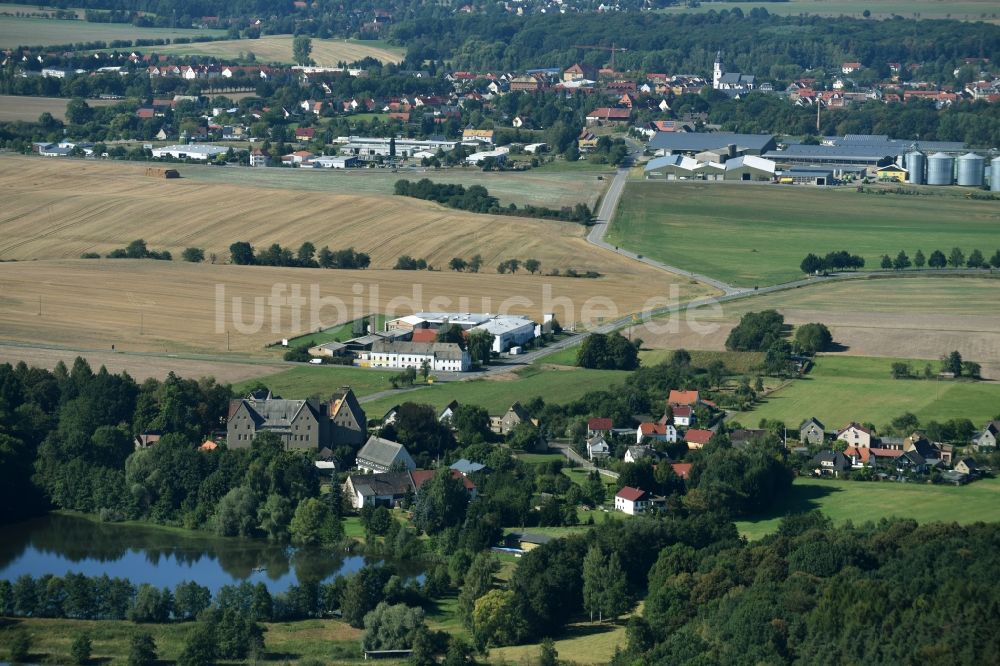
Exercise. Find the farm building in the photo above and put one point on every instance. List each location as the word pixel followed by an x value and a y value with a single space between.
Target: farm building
pixel 500 155
pixel 440 356
pixel 671 167
pixel 508 330
pixel 192 151
pixel 893 173
pixel 369 148
pixel 348 162
pixel 806 177
pixel 692 143
pixel 750 168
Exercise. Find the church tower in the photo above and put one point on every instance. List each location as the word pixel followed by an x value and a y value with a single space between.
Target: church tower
pixel 717 72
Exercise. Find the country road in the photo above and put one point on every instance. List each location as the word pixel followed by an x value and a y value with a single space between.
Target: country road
pixel 609 205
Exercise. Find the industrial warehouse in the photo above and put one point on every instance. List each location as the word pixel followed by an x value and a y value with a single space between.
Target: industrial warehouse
pixel 725 156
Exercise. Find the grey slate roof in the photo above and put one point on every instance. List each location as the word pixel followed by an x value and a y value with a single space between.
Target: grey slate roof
pixel 443 350
pixel 381 452
pixel 277 413
pixel 699 141
pixel 801 151
pixel 382 485
pixel 465 466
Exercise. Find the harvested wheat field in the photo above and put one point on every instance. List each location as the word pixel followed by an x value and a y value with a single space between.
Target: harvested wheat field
pixel 140 366
pixel 175 307
pixel 100 206
pixel 278 48
pixel 920 318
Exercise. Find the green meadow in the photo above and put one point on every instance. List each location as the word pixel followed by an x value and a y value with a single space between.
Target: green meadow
pixel 758 235
pixel 15 31
pixel 841 389
pixel 860 502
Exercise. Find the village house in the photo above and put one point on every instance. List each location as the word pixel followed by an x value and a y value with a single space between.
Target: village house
pixel 856 435
pixel 632 500
pixel 660 432
pixel 515 415
pixel 386 489
pixel 383 455
pixel 448 413
pixel 683 415
pixel 637 453
pixel 598 448
pixel 988 438
pixel 830 463
pixel 697 438
pixel 599 426
pixel 812 432
pixel 688 398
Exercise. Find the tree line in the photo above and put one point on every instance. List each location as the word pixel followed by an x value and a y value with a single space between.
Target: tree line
pixel 837 261
pixel 243 253
pixel 477 199
pixel 955 259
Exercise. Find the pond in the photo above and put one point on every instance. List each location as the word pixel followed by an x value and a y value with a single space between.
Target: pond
pixel 59 544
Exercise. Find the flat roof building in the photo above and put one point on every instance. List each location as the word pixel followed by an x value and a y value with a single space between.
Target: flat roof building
pixel 697 142
pixel 192 151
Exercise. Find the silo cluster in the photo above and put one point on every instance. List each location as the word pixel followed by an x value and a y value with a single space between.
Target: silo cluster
pixel 940 169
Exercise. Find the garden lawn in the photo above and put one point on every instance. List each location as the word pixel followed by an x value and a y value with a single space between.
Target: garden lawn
pixel 303 381
pixel 497 394
pixel 861 501
pixel 841 389
pixel 758 234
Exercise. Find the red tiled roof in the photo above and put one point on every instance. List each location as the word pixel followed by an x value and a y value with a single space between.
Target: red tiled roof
pixel 683 397
pixel 681 410
pixel 610 114
pixel 631 494
pixel 681 469
pixel 861 453
pixel 698 436
pixel 424 335
pixel 852 424
pixel 600 424
pixel 420 476
pixel 652 428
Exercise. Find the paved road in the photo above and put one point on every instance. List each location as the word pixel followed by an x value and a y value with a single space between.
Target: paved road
pixel 609 205
pixel 579 461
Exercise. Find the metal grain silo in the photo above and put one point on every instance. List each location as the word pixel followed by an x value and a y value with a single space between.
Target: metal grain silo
pixel 970 170
pixel 916 164
pixel 940 169
pixel 995 174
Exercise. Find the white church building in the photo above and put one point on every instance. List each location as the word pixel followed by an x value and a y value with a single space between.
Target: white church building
pixel 730 80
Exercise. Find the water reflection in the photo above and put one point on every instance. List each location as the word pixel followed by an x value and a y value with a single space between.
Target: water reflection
pixel 60 544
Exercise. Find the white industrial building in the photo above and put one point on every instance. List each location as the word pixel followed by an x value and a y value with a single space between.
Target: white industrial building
pixel 193 151
pixel 335 162
pixel 440 356
pixel 370 148
pixel 508 330
pixel 500 155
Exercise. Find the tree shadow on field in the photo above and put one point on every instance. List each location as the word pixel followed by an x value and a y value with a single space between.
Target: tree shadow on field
pixel 800 499
pixel 586 628
pixel 836 347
